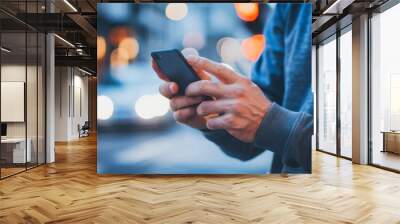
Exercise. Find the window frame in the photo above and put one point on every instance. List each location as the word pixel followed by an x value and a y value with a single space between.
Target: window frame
pixel 335 36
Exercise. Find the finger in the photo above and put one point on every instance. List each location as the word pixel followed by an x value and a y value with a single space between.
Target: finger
pixel 185 115
pixel 220 71
pixel 204 88
pixel 221 106
pixel 158 71
pixel 169 89
pixel 180 102
pixel 203 75
pixel 221 122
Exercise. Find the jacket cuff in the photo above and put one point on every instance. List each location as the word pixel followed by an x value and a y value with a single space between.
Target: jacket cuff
pixel 275 129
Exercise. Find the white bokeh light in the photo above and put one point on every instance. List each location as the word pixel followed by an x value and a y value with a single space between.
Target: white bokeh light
pixel 229 49
pixel 105 107
pixel 193 40
pixel 176 11
pixel 151 106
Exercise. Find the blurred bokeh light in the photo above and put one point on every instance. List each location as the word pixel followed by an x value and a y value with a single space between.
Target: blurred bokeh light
pixel 105 107
pixel 194 40
pixel 151 106
pixel 247 11
pixel 101 47
pixel 119 33
pixel 229 49
pixel 119 57
pixel 131 46
pixel 176 11
pixel 253 46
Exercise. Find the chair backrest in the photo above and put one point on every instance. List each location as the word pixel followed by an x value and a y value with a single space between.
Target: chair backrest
pixel 86 124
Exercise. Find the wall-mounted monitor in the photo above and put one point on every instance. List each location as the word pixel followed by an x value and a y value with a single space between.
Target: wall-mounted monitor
pixel 12 101
pixel 3 129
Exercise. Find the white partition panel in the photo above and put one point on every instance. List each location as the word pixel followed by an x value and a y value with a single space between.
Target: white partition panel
pixel 12 101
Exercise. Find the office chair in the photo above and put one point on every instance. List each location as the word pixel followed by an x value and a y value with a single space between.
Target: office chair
pixel 84 130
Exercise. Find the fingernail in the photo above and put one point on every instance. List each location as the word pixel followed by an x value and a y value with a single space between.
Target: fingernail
pixel 171 88
pixel 192 58
pixel 200 111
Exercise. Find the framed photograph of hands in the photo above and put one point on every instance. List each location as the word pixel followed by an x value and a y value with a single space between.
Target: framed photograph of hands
pixel 247 109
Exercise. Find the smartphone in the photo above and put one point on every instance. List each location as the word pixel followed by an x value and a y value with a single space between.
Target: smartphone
pixel 174 65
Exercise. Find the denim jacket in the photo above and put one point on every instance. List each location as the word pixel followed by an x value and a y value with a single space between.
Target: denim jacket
pixel 283 72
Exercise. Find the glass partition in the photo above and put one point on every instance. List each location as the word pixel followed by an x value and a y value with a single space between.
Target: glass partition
pixel 22 89
pixel 13 105
pixel 327 96
pixel 31 99
pixel 346 93
pixel 385 89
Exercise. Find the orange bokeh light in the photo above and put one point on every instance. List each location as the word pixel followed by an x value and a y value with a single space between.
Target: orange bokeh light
pixel 131 46
pixel 119 57
pixel 247 11
pixel 101 47
pixel 118 34
pixel 253 46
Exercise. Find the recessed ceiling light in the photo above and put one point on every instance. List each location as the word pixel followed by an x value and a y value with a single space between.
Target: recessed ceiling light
pixel 5 50
pixel 70 5
pixel 84 71
pixel 65 41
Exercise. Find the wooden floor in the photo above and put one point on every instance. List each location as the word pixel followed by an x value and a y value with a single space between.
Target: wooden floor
pixel 387 159
pixel 70 191
pixel 5 172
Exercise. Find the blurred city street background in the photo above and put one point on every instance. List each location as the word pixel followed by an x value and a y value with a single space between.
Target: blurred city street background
pixel 136 130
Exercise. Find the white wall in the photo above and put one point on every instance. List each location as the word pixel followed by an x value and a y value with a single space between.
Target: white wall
pixel 12 73
pixel 71 94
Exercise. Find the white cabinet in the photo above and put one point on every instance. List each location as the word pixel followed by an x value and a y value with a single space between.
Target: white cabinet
pixel 19 155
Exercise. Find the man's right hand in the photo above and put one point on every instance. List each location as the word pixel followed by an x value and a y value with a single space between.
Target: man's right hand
pixel 183 107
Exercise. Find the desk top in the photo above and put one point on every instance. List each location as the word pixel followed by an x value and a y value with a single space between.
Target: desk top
pixel 13 140
pixel 391 132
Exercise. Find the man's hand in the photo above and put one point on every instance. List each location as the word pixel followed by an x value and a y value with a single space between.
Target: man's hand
pixel 183 107
pixel 240 103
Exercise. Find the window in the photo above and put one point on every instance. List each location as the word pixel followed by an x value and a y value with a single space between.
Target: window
pixel 385 89
pixel 346 93
pixel 327 96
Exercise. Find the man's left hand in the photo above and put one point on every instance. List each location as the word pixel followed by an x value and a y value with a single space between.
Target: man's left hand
pixel 240 104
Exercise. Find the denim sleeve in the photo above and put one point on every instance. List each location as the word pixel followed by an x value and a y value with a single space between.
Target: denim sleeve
pixel 284 132
pixel 288 134
pixel 232 146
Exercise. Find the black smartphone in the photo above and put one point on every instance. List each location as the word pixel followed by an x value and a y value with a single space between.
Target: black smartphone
pixel 174 65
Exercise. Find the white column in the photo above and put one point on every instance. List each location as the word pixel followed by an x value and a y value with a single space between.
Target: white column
pixel 360 90
pixel 50 93
pixel 50 99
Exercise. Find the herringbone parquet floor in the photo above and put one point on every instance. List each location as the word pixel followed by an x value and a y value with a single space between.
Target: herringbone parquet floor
pixel 70 191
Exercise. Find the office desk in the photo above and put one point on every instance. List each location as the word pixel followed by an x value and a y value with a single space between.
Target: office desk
pixel 13 150
pixel 391 141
